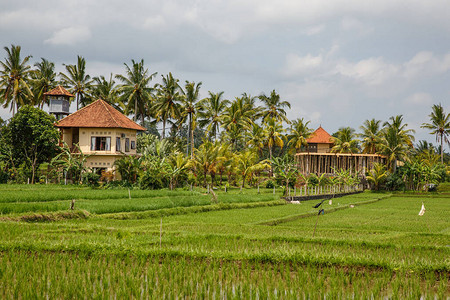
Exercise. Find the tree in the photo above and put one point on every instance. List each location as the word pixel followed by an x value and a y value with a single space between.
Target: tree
pixel 211 114
pixel 168 98
pixel 206 159
pixel 78 82
pixel 43 80
pixel 237 119
pixel 33 138
pixel 396 140
pixel 72 164
pixel 107 90
pixel 248 163
pixel 190 107
pixel 439 126
pixel 371 136
pixel 299 133
pixel 128 167
pixel 344 141
pixel 273 135
pixel 256 138
pixel 15 74
pixel 377 175
pixel 274 107
pixel 135 91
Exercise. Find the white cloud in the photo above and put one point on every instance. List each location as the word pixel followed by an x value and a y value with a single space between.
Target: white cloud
pixel 69 36
pixel 419 99
pixel 300 64
pixel 371 71
pixel 314 30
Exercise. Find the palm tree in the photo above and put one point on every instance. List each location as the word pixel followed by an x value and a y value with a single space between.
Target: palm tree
pixel 107 90
pixel 206 159
pixel 439 126
pixel 273 136
pixel 396 141
pixel 247 164
pixel 299 133
pixel 377 175
pixel 211 114
pixel 274 107
pixel 256 137
pixel 135 91
pixel 14 87
pixel 78 82
pixel 190 107
pixel 43 80
pixel 344 141
pixel 237 119
pixel 371 136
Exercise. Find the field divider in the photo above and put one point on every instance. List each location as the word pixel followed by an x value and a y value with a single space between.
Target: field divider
pixel 291 218
pixel 187 210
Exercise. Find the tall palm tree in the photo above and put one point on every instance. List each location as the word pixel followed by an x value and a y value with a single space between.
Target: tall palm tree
pixel 273 135
pixel 43 80
pixel 250 103
pixel 439 126
pixel 77 81
pixel 371 136
pixel 344 141
pixel 14 78
pixel 190 106
pixel 237 119
pixel 274 107
pixel 106 89
pixel 135 91
pixel 211 114
pixel 256 138
pixel 299 133
pixel 168 98
pixel 396 141
pixel 247 163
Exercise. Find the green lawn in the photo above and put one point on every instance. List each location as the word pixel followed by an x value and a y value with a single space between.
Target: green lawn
pixel 162 243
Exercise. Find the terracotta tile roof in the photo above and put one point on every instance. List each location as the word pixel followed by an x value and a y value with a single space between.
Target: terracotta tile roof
pixel 320 136
pixel 98 114
pixel 57 91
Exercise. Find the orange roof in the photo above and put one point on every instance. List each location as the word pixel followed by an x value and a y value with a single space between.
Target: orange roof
pixel 98 114
pixel 59 91
pixel 320 136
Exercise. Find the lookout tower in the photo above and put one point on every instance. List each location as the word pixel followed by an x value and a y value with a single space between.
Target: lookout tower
pixel 58 99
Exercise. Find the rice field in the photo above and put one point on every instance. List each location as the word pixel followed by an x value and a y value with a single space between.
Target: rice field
pixel 181 244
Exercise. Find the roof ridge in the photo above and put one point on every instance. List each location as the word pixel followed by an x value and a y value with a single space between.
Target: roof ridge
pixel 103 102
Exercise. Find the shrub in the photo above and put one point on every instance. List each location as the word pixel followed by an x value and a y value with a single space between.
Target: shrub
pixel 91 178
pixel 270 184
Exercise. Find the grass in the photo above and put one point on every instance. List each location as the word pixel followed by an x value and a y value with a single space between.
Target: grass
pixel 250 245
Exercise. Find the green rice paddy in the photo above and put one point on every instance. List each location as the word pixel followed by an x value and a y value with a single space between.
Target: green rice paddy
pixel 181 244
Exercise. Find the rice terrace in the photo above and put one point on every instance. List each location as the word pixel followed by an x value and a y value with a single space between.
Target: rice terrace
pixel 145 244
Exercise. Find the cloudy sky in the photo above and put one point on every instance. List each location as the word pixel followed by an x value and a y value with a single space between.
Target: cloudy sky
pixel 338 62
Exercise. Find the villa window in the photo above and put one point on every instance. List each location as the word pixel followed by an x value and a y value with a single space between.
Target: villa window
pixel 133 145
pixel 127 145
pixel 118 145
pixel 100 143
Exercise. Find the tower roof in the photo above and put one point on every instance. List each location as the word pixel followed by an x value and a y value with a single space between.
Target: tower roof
pixel 320 136
pixel 98 114
pixel 59 91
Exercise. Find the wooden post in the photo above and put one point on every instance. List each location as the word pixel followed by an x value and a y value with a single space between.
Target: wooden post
pixel 129 194
pixel 160 234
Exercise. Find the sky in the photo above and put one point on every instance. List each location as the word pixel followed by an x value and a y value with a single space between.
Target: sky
pixel 338 62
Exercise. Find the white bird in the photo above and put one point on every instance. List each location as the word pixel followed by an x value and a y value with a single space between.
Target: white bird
pixel 422 211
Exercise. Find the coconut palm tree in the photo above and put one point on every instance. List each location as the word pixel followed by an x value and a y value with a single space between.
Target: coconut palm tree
pixel 78 82
pixel 344 141
pixel 135 91
pixel 211 113
pixel 237 119
pixel 43 80
pixel 273 136
pixel 168 98
pixel 274 107
pixel 396 140
pixel 377 175
pixel 14 79
pixel 106 89
pixel 298 134
pixel 256 138
pixel 190 107
pixel 206 159
pixel 371 136
pixel 439 126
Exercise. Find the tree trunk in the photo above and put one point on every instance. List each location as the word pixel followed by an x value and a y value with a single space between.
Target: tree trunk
pixel 192 137
pixel 442 148
pixel 163 135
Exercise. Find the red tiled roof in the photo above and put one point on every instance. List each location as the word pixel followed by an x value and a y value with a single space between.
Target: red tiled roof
pixel 98 114
pixel 320 136
pixel 59 91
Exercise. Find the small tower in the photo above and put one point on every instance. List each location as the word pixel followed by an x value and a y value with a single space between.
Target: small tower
pixel 58 99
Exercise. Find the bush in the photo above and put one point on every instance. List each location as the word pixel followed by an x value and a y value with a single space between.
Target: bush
pixel 152 180
pixel 394 182
pixel 91 178
pixel 270 184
